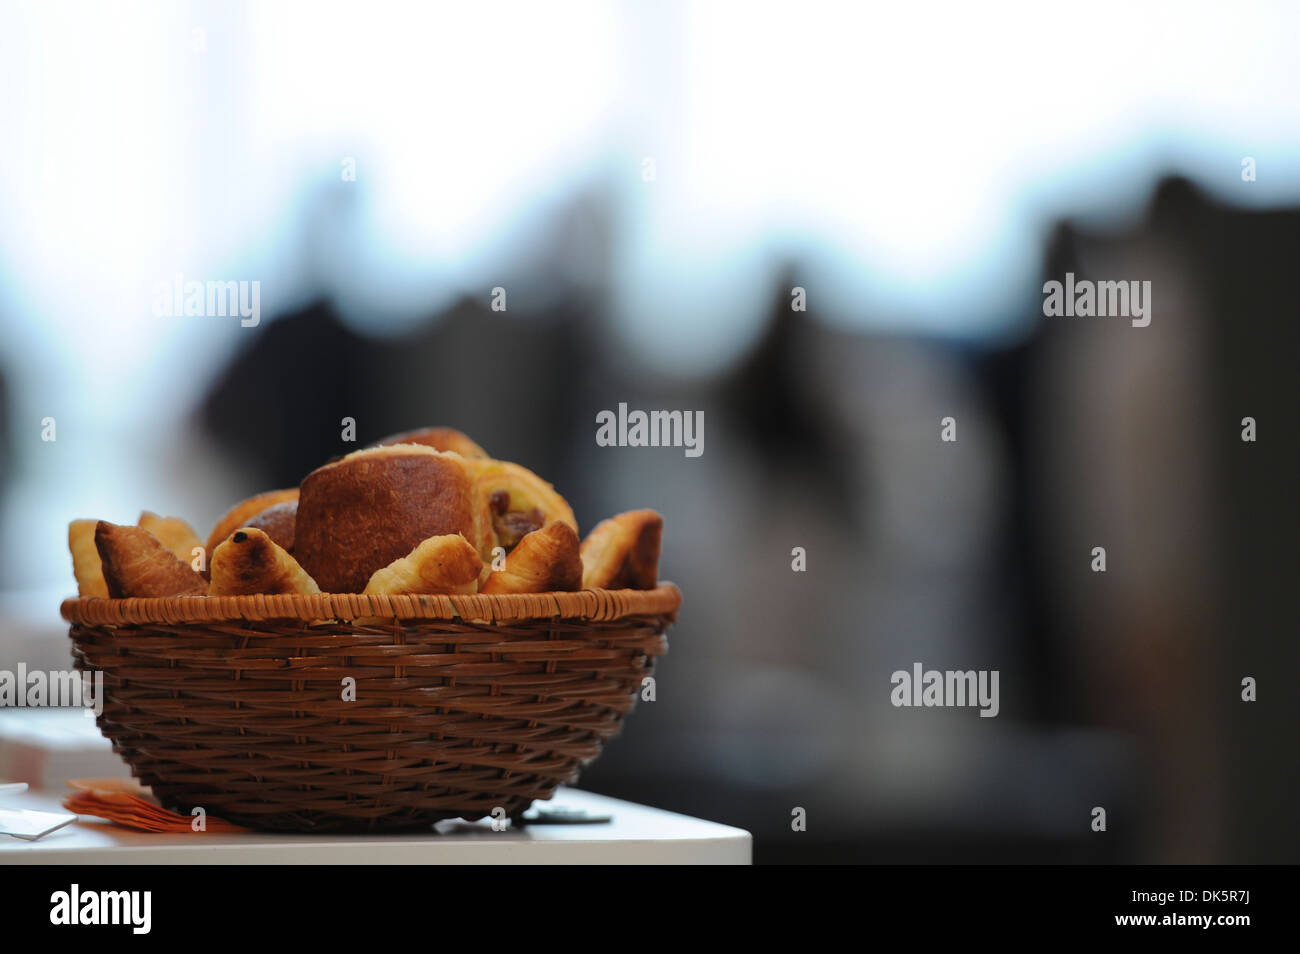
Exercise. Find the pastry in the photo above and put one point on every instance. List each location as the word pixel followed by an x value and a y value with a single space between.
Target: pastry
pixel 545 560
pixel 249 561
pixel 519 501
pixel 136 564
pixel 374 506
pixel 425 511
pixel 439 438
pixel 173 533
pixel 623 552
pixel 447 563
pixel 241 513
pixel 278 523
pixel 85 559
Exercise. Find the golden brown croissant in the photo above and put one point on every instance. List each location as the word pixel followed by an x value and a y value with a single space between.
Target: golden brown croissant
pixel 249 562
pixel 137 564
pixel 373 507
pixel 85 559
pixel 447 563
pixel 623 552
pixel 545 560
pixel 173 533
pixel 439 438
pixel 520 501
pixel 241 513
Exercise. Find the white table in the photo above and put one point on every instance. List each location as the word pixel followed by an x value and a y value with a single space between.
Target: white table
pixel 635 835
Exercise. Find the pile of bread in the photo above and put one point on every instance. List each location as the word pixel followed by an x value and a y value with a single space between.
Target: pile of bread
pixel 423 512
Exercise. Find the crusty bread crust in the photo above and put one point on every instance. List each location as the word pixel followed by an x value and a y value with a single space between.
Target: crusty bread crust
pixel 244 511
pixel 279 523
pixel 439 438
pixel 359 514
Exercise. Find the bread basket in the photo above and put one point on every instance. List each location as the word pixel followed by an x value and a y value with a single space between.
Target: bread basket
pixel 460 705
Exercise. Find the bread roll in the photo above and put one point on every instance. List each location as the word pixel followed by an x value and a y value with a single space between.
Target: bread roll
pixel 278 523
pixel 375 506
pixel 545 560
pixel 86 565
pixel 137 564
pixel 442 564
pixel 244 511
pixel 623 552
pixel 439 438
pixel 250 562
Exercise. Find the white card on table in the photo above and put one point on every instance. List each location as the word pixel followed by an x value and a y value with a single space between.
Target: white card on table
pixel 30 825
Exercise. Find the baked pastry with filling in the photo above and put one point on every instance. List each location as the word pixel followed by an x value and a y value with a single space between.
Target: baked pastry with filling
pixel 518 500
pixel 250 562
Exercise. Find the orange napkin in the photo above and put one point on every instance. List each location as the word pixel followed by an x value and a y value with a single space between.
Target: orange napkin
pixel 126 802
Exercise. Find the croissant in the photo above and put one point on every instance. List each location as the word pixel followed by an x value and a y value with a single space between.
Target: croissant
pixel 136 564
pixel 251 562
pixel 173 533
pixel 623 552
pixel 241 513
pixel 439 438
pixel 520 501
pixel 86 566
pixel 447 563
pixel 544 560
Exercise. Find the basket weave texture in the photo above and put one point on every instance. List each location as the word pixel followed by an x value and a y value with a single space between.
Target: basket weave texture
pixel 463 704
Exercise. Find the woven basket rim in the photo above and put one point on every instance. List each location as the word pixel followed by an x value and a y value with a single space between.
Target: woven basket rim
pixel 663 600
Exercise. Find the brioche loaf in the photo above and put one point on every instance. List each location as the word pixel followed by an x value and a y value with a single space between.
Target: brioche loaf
pixel 374 506
pixel 439 438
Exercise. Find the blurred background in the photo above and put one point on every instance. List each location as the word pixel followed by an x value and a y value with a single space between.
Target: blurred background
pixel 648 184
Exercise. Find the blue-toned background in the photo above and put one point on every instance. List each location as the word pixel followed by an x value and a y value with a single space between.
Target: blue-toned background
pixel 648 182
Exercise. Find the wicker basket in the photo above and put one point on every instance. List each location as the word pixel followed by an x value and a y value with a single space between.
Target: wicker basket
pixel 463 704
